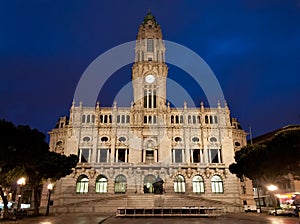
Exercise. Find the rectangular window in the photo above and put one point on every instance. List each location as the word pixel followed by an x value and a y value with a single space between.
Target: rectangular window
pixel 177 155
pixel 85 155
pixel 121 157
pixel 150 98
pixel 215 156
pixel 145 98
pixel 150 45
pixel 102 155
pixel 196 157
pixel 149 156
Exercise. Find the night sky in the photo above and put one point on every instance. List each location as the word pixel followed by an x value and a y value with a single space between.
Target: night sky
pixel 252 46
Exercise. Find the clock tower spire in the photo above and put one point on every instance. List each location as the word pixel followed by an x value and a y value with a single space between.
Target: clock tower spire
pixel 149 72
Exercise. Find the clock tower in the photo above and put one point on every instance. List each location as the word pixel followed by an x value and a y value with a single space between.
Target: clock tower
pixel 149 72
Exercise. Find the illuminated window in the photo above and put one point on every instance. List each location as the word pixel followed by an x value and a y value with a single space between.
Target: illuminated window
pixel 120 184
pixel 198 184
pixel 82 184
pixel 217 185
pixel 101 184
pixel 179 184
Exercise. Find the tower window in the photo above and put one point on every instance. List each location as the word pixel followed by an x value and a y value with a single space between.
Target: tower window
pixel 149 98
pixel 150 45
pixel 149 119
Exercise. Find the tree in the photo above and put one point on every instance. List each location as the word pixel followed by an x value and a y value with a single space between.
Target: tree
pixel 24 151
pixel 278 157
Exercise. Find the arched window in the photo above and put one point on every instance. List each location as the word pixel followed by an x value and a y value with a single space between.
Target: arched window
pixel 198 184
pixel 120 184
pixel 179 184
pixel 217 185
pixel 206 119
pixel 82 184
pixel 101 184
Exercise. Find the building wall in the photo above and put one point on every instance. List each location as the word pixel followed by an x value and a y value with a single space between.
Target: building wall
pixel 171 144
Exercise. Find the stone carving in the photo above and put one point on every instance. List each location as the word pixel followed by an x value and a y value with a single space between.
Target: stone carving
pixel 208 172
pixel 111 172
pixel 92 172
pixel 189 172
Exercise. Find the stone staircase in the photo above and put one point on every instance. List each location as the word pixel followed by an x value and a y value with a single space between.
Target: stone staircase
pixel 108 204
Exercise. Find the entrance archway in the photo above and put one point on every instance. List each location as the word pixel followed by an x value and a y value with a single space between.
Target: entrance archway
pixel 153 185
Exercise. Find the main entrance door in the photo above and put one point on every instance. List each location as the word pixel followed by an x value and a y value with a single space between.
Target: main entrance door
pixel 153 184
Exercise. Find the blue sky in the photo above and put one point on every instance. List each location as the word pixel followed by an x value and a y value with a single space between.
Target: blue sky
pixel 253 47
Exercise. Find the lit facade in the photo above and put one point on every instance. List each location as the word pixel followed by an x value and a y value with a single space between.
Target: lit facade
pixel 149 154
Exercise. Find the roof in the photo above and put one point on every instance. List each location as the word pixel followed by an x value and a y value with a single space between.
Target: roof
pixel 270 135
pixel 148 17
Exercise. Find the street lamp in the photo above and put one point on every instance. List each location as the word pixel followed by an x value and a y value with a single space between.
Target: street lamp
pixel 50 187
pixel 21 182
pixel 273 188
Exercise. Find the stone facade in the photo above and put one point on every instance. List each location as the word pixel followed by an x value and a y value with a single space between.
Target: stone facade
pixel 149 154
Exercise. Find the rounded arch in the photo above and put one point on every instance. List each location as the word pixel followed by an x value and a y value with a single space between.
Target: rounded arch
pixel 198 184
pixel 101 184
pixel 120 184
pixel 82 184
pixel 148 183
pixel 179 184
pixel 217 184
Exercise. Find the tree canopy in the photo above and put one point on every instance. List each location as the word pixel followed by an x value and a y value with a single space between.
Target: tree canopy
pixel 24 152
pixel 278 157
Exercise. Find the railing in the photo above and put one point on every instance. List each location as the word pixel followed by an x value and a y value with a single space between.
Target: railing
pixel 170 211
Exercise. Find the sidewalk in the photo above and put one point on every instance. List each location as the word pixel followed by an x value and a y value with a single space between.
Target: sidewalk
pixel 59 219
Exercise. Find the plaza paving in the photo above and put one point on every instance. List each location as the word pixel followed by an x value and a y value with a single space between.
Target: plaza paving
pixel 241 218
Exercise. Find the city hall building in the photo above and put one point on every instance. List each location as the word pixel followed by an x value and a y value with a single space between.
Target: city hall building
pixel 149 154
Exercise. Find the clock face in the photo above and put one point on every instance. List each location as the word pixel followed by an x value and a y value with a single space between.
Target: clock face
pixel 150 79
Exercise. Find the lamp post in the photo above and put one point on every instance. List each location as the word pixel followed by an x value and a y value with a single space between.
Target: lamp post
pixel 21 182
pixel 273 188
pixel 258 198
pixel 50 187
